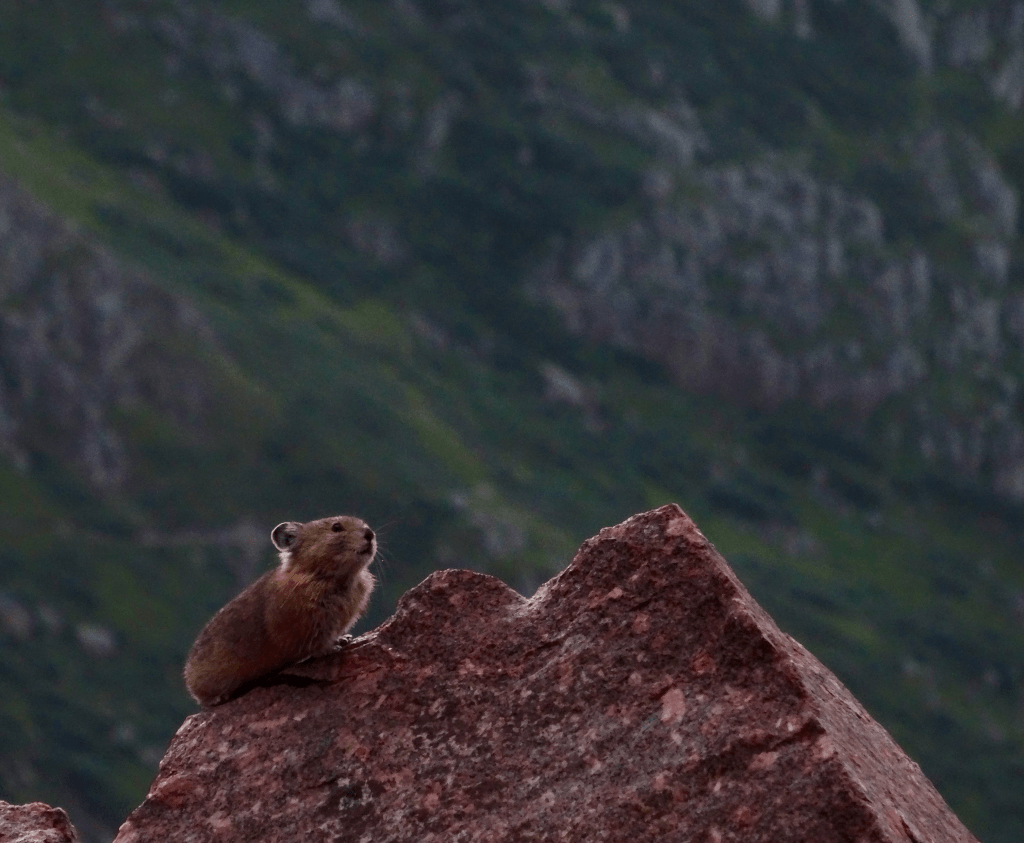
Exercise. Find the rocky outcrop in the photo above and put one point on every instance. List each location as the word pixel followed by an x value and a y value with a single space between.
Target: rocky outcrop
pixel 84 338
pixel 766 281
pixel 35 823
pixel 641 694
pixel 760 283
pixel 791 245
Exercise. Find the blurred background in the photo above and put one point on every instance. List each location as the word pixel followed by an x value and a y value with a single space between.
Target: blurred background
pixel 493 275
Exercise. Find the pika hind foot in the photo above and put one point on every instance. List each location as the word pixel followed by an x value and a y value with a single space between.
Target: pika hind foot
pixel 341 641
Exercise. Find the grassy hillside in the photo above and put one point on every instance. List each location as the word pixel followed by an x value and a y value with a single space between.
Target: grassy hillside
pixel 358 201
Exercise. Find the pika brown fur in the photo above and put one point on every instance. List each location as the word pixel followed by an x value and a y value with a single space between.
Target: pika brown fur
pixel 302 608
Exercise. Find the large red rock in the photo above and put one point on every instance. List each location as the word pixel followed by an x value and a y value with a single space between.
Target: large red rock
pixel 640 695
pixel 35 822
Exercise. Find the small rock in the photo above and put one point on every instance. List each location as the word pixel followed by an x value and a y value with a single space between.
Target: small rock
pixel 35 822
pixel 96 640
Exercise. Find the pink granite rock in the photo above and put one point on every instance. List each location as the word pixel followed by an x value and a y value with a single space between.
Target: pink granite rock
pixel 640 695
pixel 35 822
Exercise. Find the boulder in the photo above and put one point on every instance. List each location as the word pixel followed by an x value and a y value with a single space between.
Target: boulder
pixel 35 822
pixel 641 694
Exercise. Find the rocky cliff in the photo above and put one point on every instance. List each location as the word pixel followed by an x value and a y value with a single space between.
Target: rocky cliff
pixel 87 342
pixel 641 694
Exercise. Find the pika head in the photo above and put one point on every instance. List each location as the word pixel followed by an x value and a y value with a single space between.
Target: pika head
pixel 337 547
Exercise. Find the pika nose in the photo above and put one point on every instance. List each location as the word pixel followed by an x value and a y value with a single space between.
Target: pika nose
pixel 368 533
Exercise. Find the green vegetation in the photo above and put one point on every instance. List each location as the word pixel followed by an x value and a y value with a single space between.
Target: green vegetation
pixel 406 382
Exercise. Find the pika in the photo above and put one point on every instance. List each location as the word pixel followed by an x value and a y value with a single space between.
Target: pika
pixel 301 609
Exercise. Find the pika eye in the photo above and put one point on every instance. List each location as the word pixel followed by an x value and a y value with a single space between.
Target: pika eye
pixel 336 527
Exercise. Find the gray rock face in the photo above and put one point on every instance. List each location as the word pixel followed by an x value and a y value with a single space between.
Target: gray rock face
pixel 82 336
pixel 236 51
pixel 344 107
pixel 790 245
pixel 762 283
pixel 640 695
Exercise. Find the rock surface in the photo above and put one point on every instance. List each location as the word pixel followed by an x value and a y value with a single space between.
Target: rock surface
pixel 84 339
pixel 35 823
pixel 820 308
pixel 641 694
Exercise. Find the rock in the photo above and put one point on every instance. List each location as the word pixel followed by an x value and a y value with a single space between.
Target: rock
pixel 85 338
pixel 232 49
pixel 1008 83
pixel 765 9
pixel 800 253
pixel 35 822
pixel 330 12
pixel 96 640
pixel 912 28
pixel 641 694
pixel 762 284
pixel 969 39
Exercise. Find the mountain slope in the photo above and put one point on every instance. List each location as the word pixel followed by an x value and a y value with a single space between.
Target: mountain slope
pixel 495 278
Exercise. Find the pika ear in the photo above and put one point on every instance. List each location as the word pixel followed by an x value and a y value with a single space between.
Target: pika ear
pixel 284 534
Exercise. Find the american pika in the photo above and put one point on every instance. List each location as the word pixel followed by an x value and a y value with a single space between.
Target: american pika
pixel 300 609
